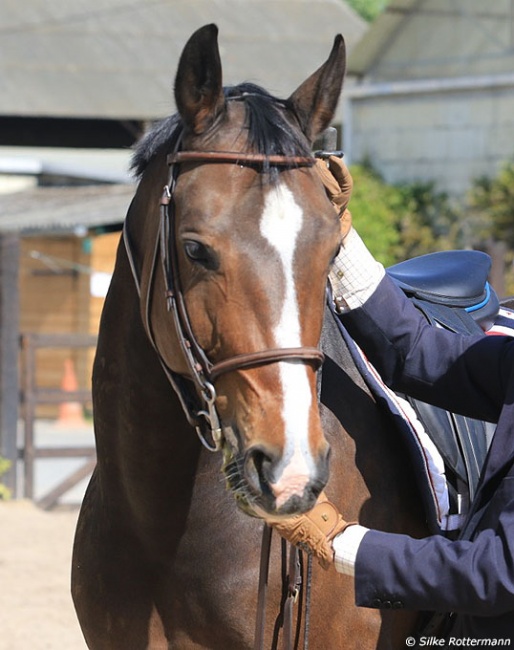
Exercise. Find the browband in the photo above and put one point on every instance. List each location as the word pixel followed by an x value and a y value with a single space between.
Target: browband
pixel 240 158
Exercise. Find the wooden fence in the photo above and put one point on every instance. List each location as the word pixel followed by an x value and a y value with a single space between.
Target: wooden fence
pixel 33 396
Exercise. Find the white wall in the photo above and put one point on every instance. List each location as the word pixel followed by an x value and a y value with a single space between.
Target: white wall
pixel 448 131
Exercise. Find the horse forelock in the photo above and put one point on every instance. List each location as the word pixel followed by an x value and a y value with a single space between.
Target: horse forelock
pixel 269 121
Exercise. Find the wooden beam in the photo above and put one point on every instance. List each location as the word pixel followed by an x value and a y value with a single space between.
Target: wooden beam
pixel 9 350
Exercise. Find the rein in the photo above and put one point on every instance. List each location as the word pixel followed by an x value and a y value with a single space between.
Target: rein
pixel 292 581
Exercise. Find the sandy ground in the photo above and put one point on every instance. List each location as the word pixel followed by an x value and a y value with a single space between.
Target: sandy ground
pixel 36 611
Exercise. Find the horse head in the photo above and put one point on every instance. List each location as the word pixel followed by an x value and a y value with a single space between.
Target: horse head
pixel 253 236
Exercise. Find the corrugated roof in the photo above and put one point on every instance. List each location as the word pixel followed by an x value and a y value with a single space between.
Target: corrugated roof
pixel 117 58
pixel 431 39
pixel 53 210
pixel 379 35
pixel 99 165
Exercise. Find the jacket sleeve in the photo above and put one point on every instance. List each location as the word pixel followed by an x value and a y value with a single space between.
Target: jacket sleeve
pixel 436 574
pixel 463 374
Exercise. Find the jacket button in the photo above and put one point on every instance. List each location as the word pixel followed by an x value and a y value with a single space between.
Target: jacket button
pixel 387 604
pixel 397 604
pixel 376 603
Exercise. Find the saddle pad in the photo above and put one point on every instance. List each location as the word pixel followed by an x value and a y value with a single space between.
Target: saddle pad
pixel 427 462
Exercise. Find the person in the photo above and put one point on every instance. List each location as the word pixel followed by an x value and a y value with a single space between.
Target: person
pixel 469 580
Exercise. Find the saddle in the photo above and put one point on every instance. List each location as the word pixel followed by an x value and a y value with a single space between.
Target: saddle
pixel 451 289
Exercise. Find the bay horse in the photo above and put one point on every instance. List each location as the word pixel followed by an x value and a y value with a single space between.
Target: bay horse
pixel 212 326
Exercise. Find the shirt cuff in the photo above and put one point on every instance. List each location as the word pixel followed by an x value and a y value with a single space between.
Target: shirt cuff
pixel 355 274
pixel 346 546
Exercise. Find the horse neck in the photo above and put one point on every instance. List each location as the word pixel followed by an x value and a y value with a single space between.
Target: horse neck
pixel 139 423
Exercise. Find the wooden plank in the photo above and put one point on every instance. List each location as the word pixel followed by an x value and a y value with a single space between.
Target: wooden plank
pixel 65 452
pixel 29 414
pixel 53 496
pixel 9 339
pixel 64 340
pixel 60 452
pixel 58 396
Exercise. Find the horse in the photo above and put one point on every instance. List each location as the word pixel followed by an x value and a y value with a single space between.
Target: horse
pixel 210 341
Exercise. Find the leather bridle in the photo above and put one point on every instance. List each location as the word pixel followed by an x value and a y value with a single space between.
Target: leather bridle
pixel 200 408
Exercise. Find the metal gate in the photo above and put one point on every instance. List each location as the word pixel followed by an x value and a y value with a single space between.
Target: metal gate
pixel 31 397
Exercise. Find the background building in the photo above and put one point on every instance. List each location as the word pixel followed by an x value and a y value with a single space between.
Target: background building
pixel 80 82
pixel 435 96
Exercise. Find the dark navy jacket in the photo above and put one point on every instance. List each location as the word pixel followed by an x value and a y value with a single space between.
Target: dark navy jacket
pixel 472 375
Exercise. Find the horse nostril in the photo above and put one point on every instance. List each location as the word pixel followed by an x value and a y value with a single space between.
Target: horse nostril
pixel 258 469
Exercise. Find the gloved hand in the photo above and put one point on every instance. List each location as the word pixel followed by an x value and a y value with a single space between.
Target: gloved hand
pixel 314 531
pixel 338 183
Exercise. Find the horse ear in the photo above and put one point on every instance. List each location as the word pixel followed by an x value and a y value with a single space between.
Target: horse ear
pixel 315 101
pixel 198 82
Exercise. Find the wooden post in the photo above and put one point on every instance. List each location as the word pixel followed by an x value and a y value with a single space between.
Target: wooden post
pixel 9 348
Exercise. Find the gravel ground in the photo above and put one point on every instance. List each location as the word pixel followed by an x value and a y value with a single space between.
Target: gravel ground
pixel 36 611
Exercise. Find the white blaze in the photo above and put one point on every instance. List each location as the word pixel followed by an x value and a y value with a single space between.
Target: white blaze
pixel 280 225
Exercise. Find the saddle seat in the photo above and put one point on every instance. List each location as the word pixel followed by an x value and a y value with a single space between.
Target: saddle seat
pixel 455 279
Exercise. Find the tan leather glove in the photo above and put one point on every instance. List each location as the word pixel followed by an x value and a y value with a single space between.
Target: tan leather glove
pixel 338 183
pixel 314 531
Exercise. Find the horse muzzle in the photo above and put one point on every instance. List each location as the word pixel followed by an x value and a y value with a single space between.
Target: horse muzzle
pixel 263 482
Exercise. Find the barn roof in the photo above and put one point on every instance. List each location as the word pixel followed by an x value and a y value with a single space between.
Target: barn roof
pixel 59 210
pixel 117 58
pixel 433 39
pixel 94 165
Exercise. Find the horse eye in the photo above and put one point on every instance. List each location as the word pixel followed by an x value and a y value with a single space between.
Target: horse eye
pixel 200 254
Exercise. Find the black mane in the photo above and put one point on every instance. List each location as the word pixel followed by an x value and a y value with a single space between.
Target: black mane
pixel 269 131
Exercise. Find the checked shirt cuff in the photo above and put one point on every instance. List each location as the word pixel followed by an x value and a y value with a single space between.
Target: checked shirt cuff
pixel 355 274
pixel 346 546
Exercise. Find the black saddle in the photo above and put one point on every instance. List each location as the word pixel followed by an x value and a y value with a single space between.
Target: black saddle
pixel 451 289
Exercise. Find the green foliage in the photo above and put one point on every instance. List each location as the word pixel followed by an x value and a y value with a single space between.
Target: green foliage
pixel 400 222
pixel 431 221
pixel 492 206
pixel 376 209
pixel 368 9
pixel 5 464
pixel 491 214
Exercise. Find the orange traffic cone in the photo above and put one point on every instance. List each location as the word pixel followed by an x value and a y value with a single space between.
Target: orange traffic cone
pixel 70 413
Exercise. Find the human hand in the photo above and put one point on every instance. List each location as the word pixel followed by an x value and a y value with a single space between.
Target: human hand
pixel 338 183
pixel 313 531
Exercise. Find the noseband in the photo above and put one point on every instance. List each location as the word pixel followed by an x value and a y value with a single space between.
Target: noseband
pixel 202 372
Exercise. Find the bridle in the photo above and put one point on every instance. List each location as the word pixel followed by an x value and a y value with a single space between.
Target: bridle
pixel 199 406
